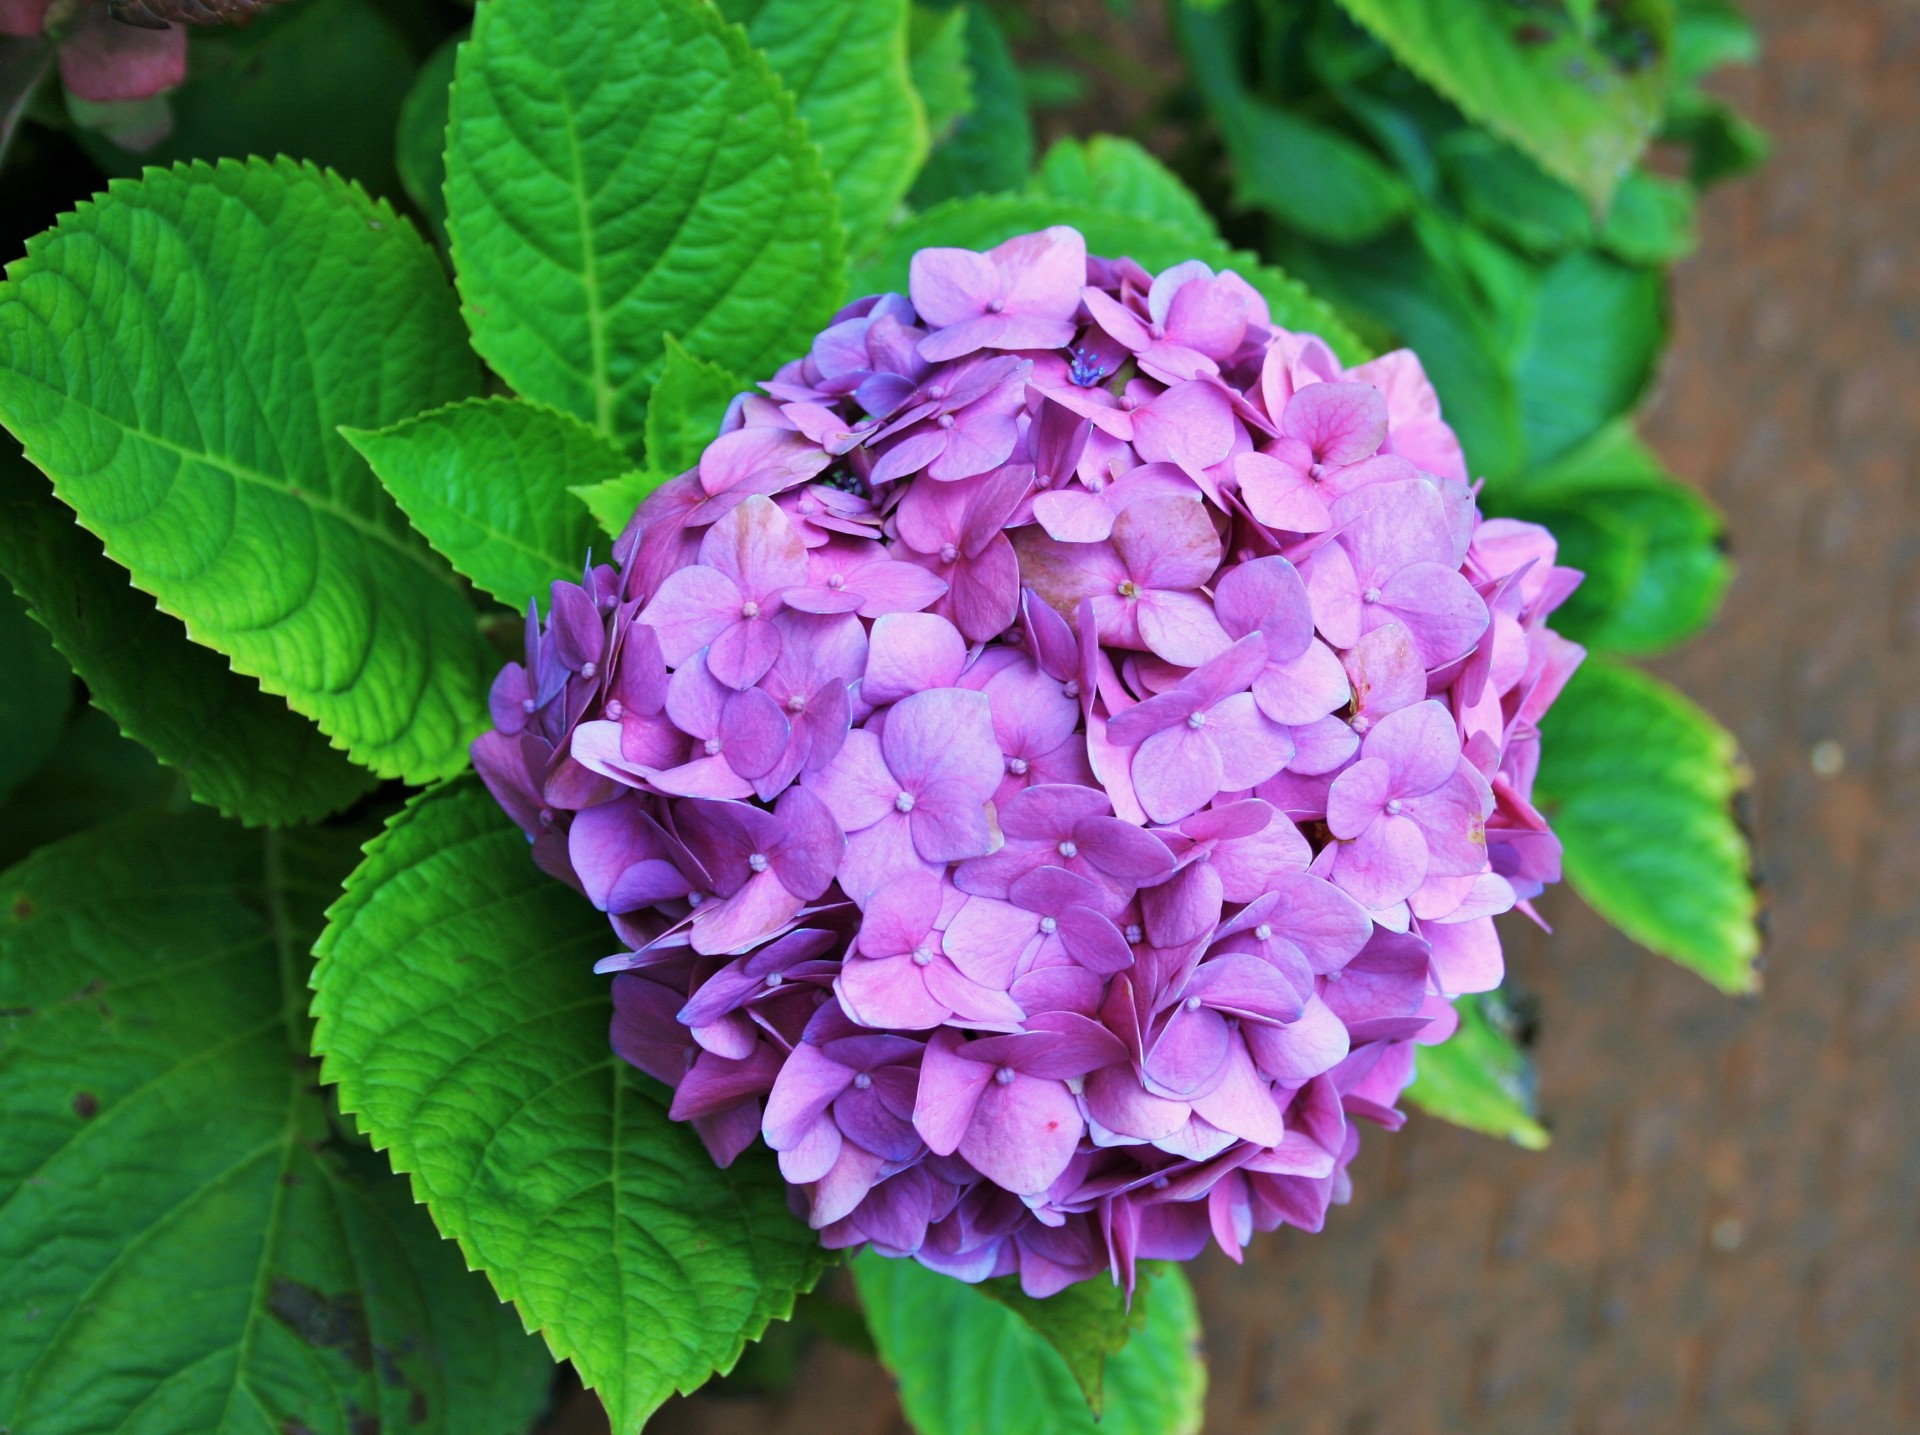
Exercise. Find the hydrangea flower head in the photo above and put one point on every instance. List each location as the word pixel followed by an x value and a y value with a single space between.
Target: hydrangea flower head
pixel 1050 764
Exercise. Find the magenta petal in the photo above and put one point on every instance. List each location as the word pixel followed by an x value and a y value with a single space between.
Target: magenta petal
pixel 1301 1050
pixel 1190 1052
pixel 107 62
pixel 1093 941
pixel 1358 797
pixel 1183 908
pixel 1340 422
pixel 753 732
pixel 950 1088
pixel 1176 771
pixel 910 652
pixel 1385 864
pixel 1242 1103
pixel 807 1085
pixel 1419 746
pixel 1023 1133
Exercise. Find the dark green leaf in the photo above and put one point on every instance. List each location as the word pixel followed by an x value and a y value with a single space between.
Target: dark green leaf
pixel 35 694
pixel 986 220
pixel 968 1365
pixel 1309 176
pixel 937 53
pixel 459 1014
pixel 93 775
pixel 1598 328
pixel 25 60
pixel 187 1247
pixel 1581 99
pixel 240 750
pixel 616 173
pixel 420 144
pixel 1725 143
pixel 1478 1078
pixel 1504 191
pixel 487 482
pixel 178 355
pixel 847 68
pixel 992 148
pixel 1639 784
pixel 1113 174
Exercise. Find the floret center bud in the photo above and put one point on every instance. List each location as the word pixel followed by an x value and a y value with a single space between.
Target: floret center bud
pixel 1196 720
pixel 945 421
pixel 797 703
pixel 1017 766
pixel 921 956
pixel 1043 480
pixel 1193 1003
pixel 1071 687
pixel 937 391
pixel 1134 933
pixel 1004 1075
pixel 903 802
pixel 774 979
pixel 528 705
pixel 1156 331
pixel 1393 807
pixel 1361 722
pixel 1049 925
pixel 546 817
pixel 1129 402
pixel 615 709
pixel 694 899
pixel 757 861
pixel 1263 931
pixel 861 1081
pixel 948 552
pixel 1372 595
pixel 1128 588
pixel 1333 976
pixel 587 670
pixel 1069 848
pixel 1160 1183
pixel 836 581
pixel 749 609
pixel 711 747
pixel 997 306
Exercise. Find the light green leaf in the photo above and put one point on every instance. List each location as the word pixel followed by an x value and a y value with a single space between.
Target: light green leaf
pixel 616 173
pixel 1309 176
pixel 848 70
pixel 1640 784
pixel 1708 34
pixel 937 57
pixel 1650 546
pixel 93 775
pixel 1652 220
pixel 986 220
pixel 178 356
pixel 1086 1324
pixel 35 694
pixel 992 148
pixel 688 404
pixel 1114 174
pixel 612 503
pixel 486 481
pixel 188 1246
pixel 1598 326
pixel 459 1014
pixel 1478 1078
pixel 420 142
pixel 240 750
pixel 1582 101
pixel 968 1365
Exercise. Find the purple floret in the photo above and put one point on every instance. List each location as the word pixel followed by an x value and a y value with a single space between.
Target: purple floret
pixel 1050 764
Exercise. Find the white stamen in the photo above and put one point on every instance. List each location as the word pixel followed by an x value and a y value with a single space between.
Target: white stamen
pixel 903 802
pixel 1049 926
pixel 948 552
pixel 1017 766
pixel 757 861
pixel 1069 848
pixel 749 609
pixel 711 746
pixel 1193 1003
pixel 1196 720
pixel 774 979
pixel 1004 1076
pixel 861 1081
pixel 1263 932
pixel 921 956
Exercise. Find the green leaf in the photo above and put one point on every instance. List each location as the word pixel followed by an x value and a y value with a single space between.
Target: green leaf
pixel 1582 101
pixel 1650 546
pixel 246 753
pixel 36 694
pixel 177 356
pixel 420 143
pixel 937 57
pixel 1598 328
pixel 687 406
pixel 486 481
pixel 986 220
pixel 188 1246
pixel 1639 784
pixel 1479 1078
pixel 459 1013
pixel 968 1365
pixel 1725 143
pixel 616 173
pixel 93 775
pixel 1309 176
pixel 1708 34
pixel 1505 192
pixel 1652 220
pixel 1087 1323
pixel 612 503
pixel 322 81
pixel 1114 174
pixel 848 70
pixel 992 148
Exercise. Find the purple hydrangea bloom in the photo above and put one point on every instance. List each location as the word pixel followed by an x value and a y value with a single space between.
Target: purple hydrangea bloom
pixel 1050 764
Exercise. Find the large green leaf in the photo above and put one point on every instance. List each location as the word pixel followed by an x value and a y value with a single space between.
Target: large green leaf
pixel 178 355
pixel 992 148
pixel 459 1013
pixel 240 750
pixel 969 1365
pixel 848 69
pixel 92 776
pixel 1582 96
pixel 1087 1324
pixel 35 695
pixel 1650 546
pixel 937 60
pixel 1639 784
pixel 189 1249
pixel 619 172
pixel 1312 177
pixel 1598 327
pixel 486 481
pixel 1478 1078
pixel 420 140
pixel 986 220
pixel 1114 174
